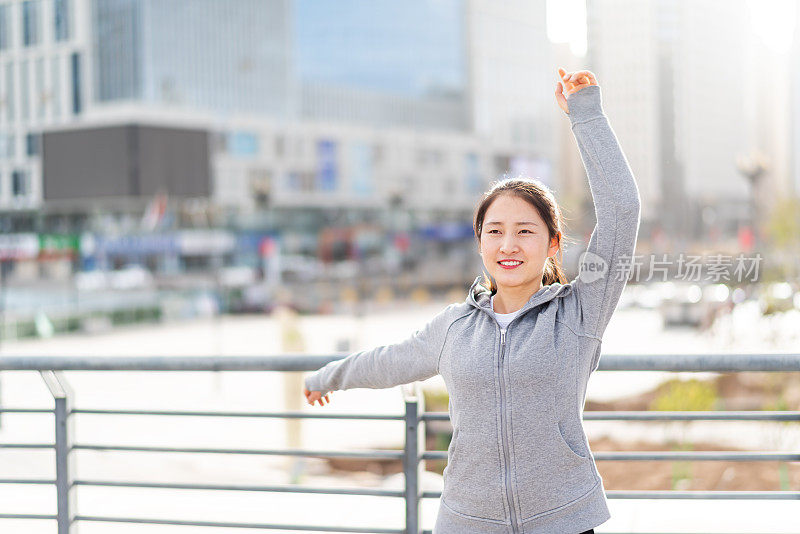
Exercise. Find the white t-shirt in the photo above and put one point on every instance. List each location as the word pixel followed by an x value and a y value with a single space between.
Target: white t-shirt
pixel 504 318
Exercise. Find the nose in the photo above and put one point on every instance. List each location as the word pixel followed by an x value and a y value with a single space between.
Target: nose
pixel 509 244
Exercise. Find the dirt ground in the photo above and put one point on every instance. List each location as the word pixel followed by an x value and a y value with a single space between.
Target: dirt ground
pixel 732 391
pixel 644 475
pixel 690 476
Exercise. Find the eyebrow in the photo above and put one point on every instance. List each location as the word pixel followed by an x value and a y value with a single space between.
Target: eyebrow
pixel 519 223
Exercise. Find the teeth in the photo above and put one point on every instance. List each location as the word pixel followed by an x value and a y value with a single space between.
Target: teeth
pixel 510 262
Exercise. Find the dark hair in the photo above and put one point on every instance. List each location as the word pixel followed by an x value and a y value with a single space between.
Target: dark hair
pixel 540 197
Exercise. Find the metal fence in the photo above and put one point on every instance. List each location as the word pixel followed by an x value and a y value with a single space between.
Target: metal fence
pixel 67 513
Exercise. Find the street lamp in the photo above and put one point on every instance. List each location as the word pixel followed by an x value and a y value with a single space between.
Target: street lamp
pixel 752 166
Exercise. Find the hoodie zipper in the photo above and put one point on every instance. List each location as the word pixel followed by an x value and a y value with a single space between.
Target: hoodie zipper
pixel 503 427
pixel 503 422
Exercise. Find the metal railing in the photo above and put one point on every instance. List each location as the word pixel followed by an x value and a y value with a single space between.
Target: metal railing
pixel 67 514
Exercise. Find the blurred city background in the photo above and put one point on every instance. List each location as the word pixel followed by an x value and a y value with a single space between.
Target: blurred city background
pixel 210 177
pixel 165 159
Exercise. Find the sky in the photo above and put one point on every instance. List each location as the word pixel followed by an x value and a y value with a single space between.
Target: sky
pixel 411 47
pixel 416 47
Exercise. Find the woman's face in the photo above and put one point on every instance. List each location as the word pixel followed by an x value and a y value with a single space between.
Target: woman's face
pixel 514 230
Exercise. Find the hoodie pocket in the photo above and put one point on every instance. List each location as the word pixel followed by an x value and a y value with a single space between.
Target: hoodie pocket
pixel 473 485
pixel 567 446
pixel 550 474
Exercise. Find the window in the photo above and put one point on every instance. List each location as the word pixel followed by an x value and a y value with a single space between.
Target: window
pixel 40 94
pixel 10 109
pixel 30 22
pixel 55 85
pixel 18 183
pixel 4 29
pixel 378 153
pixel 242 144
pixel 76 83
pixel 327 165
pixel 473 173
pixel 62 20
pixel 32 144
pixel 24 91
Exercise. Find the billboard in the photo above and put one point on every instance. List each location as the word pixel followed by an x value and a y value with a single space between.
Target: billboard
pixel 125 161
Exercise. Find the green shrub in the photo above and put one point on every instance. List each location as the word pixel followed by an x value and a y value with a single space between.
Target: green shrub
pixel 686 395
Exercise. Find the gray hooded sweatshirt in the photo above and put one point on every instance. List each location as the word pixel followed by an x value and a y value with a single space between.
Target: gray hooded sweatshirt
pixel 519 461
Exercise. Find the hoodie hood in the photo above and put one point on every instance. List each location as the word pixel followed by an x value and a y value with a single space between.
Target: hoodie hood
pixel 480 297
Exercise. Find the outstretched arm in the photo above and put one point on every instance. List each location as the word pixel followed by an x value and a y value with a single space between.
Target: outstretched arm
pixel 598 285
pixel 415 358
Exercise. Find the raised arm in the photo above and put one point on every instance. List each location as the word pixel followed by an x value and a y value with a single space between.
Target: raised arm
pixel 616 204
pixel 415 358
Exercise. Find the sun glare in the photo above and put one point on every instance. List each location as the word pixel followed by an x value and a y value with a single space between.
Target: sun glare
pixel 774 22
pixel 566 23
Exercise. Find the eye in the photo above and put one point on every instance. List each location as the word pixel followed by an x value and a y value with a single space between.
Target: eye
pixel 525 230
pixel 490 231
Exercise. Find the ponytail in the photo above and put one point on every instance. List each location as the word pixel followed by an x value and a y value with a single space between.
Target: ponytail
pixel 553 273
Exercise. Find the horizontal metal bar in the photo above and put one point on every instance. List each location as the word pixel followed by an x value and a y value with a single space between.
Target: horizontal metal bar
pixel 700 362
pixel 643 532
pixel 266 452
pixel 444 416
pixel 699 456
pixel 271 526
pixel 716 495
pixel 664 416
pixel 435 416
pixel 220 487
pixel 27 410
pixel 306 362
pixel 27 446
pixel 297 363
pixel 672 456
pixel 282 415
pixel 692 416
pixel 26 481
pixel 27 516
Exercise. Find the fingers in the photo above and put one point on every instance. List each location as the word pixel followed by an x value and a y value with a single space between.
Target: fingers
pixel 570 83
pixel 583 76
pixel 316 396
pixel 560 99
pixel 574 81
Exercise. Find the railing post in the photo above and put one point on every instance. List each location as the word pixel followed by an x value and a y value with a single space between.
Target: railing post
pixel 414 444
pixel 66 502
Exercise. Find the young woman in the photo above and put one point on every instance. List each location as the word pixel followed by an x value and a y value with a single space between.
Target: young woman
pixel 517 354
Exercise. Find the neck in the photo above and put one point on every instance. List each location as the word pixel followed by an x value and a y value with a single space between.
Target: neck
pixel 511 299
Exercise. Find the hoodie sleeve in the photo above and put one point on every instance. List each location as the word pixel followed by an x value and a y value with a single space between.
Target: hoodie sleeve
pixel 415 358
pixel 602 274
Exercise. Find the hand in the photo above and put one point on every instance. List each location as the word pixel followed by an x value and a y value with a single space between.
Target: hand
pixel 316 396
pixel 573 82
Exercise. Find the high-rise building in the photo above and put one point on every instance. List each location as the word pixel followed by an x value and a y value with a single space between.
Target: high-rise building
pixel 676 76
pixel 44 70
pixel 353 101
pixel 623 53
pixel 795 92
pixel 195 54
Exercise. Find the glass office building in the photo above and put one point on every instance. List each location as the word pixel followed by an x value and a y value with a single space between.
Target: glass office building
pixel 382 63
pixel 196 54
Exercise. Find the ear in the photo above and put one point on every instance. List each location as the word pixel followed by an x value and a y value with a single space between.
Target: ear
pixel 555 244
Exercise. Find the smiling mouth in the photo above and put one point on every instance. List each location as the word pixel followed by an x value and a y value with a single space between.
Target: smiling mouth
pixel 509 264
